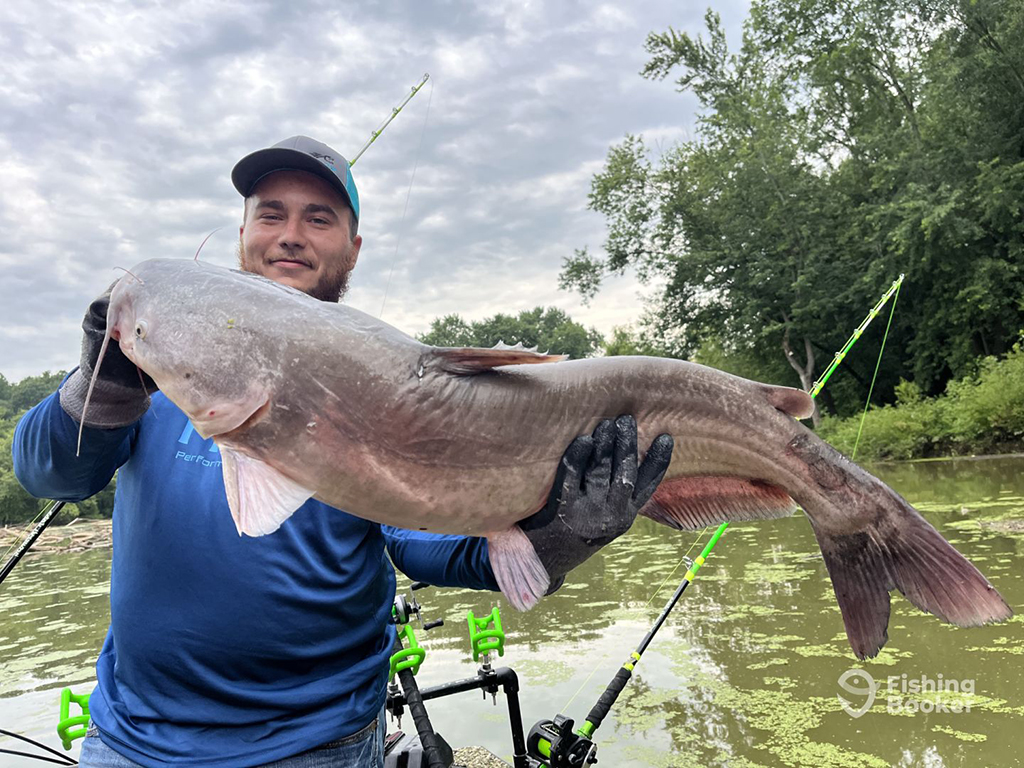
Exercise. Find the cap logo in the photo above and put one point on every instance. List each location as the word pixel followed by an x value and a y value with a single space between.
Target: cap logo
pixel 325 159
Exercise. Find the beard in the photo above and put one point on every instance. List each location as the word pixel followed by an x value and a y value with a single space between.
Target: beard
pixel 331 286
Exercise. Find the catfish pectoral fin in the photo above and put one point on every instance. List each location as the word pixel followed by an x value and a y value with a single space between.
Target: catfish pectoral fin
pixel 519 572
pixel 260 497
pixel 691 503
pixel 911 556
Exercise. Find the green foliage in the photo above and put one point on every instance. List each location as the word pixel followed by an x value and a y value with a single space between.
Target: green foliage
pixel 550 330
pixel 449 331
pixel 581 273
pixel 625 340
pixel 16 506
pixel 839 145
pixel 18 398
pixel 980 413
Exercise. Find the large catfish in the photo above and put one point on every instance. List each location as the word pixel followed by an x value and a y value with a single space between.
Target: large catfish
pixel 311 399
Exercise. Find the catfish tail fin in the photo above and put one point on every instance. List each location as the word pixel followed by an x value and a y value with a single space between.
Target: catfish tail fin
pixel 901 550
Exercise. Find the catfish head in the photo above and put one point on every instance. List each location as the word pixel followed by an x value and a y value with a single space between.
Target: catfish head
pixel 194 344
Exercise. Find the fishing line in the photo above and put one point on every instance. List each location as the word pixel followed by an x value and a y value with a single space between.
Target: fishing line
pixel 50 515
pixel 20 538
pixel 401 224
pixel 893 292
pixel 878 363
pixel 647 604
pixel 681 559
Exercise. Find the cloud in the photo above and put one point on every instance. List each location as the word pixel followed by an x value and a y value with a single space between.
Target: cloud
pixel 120 122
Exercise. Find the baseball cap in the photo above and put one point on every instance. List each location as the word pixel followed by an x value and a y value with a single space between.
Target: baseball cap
pixel 298 153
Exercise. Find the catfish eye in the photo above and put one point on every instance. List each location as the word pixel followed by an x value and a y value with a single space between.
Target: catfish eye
pixel 140 329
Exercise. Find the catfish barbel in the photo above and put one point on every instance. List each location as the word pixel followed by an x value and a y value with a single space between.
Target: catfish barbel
pixel 312 399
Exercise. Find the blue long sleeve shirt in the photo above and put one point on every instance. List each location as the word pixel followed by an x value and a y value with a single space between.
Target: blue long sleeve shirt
pixel 227 650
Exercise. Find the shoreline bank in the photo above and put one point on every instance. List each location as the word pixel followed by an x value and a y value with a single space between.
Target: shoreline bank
pixel 78 535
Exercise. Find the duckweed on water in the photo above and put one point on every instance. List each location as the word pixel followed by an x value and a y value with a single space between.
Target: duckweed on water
pixel 773 662
pixel 723 758
pixel 742 613
pixel 784 720
pixel 887 657
pixel 955 701
pixel 960 734
pixel 654 758
pixel 826 649
pixel 769 643
pixel 537 671
pixel 784 683
pixel 1014 650
pixel 774 573
pixel 643 708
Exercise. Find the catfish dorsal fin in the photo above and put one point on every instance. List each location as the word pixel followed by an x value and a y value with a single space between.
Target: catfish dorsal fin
pixel 795 402
pixel 518 346
pixel 468 361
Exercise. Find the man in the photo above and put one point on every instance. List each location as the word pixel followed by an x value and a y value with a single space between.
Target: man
pixel 229 651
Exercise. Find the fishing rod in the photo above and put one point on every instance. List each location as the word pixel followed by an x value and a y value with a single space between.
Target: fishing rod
pixel 553 742
pixel 392 116
pixel 404 664
pixel 58 505
pixel 48 518
pixel 820 383
pixel 60 759
pixel 428 748
pixel 412 697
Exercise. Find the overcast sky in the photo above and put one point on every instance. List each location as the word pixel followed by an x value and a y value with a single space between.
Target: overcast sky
pixel 120 122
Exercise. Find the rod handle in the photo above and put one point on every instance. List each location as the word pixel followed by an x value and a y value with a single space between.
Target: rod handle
pixel 414 699
pixel 611 693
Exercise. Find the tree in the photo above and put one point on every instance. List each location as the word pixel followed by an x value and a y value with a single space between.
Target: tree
pixel 842 144
pixel 16 505
pixel 738 221
pixel 921 101
pixel 32 389
pixel 449 331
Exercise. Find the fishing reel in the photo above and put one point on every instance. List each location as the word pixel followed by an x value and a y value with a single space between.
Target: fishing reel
pixel 404 609
pixel 408 654
pixel 553 743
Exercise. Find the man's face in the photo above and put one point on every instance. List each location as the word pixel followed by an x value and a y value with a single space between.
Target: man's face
pixel 297 232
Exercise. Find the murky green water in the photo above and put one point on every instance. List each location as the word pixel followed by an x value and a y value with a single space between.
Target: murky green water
pixel 743 673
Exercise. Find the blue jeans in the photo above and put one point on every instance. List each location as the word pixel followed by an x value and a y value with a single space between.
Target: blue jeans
pixel 363 749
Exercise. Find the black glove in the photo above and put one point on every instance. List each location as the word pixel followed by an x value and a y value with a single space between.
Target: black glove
pixel 597 492
pixel 121 394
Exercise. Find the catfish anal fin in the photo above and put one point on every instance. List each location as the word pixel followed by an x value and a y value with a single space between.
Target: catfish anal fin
pixel 691 503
